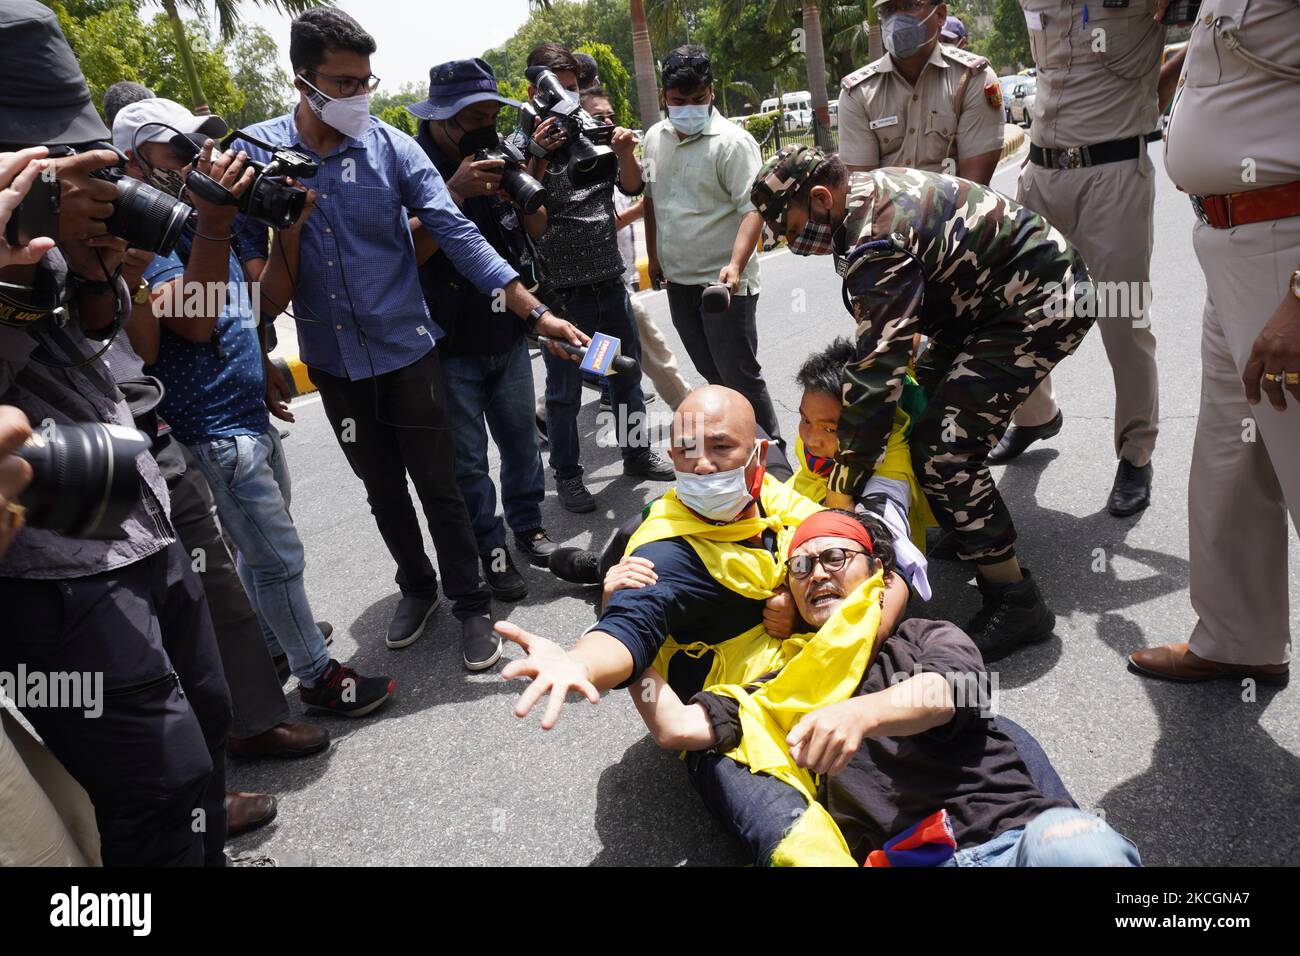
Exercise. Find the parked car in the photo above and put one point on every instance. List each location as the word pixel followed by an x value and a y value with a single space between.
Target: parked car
pixel 1008 83
pixel 798 119
pixel 834 108
pixel 1022 100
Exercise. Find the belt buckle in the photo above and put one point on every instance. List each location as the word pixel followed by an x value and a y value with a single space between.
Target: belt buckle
pixel 1069 158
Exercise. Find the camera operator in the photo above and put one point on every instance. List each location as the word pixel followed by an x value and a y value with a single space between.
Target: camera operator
pixel 584 267
pixel 484 355
pixel 129 609
pixel 362 322
pixel 211 365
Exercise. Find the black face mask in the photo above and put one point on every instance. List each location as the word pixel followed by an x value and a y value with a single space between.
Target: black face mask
pixel 471 141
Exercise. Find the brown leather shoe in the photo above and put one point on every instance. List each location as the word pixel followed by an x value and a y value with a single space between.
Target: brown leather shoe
pixel 248 811
pixel 1176 662
pixel 282 740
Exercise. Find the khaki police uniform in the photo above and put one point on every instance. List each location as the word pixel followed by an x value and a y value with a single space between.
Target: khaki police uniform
pixel 885 121
pixel 1236 128
pixel 1098 67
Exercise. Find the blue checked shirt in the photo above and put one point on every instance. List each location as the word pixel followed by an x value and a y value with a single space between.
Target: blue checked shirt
pixel 357 271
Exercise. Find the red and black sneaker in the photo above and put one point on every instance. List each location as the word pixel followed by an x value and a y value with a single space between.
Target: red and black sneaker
pixel 343 691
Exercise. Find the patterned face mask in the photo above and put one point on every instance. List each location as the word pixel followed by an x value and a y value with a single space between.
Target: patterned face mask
pixel 814 239
pixel 169 181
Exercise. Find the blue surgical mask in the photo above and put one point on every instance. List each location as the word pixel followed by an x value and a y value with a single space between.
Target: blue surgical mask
pixel 689 120
pixel 716 497
pixel 904 35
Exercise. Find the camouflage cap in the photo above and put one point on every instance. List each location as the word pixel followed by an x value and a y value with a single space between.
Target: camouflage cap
pixel 779 180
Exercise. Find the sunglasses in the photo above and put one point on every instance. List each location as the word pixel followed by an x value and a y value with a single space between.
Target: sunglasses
pixel 832 559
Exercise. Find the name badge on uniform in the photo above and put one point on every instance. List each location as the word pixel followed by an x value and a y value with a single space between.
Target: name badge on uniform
pixel 883 121
pixel 1034 19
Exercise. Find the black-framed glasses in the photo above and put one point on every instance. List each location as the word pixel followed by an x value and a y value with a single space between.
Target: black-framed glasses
pixel 678 61
pixel 832 559
pixel 349 85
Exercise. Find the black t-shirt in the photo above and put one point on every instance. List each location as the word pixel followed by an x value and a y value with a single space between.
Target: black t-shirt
pixel 968 766
pixel 473 327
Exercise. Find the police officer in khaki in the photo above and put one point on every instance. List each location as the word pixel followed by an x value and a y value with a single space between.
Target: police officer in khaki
pixel 923 104
pixel 1233 145
pixel 1088 173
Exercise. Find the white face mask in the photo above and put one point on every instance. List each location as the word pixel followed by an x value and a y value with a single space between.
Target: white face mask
pixel 719 496
pixel 349 115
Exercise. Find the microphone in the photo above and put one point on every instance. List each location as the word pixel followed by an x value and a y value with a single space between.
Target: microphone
pixel 715 298
pixel 621 364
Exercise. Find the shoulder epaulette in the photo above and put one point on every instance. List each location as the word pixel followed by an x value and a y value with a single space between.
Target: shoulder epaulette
pixel 972 61
pixel 857 76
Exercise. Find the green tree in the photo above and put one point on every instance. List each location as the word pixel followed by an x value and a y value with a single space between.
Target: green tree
pixel 257 74
pixel 1007 44
pixel 391 106
pixel 613 79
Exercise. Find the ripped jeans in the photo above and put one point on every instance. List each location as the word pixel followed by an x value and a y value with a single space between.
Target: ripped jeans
pixel 1061 836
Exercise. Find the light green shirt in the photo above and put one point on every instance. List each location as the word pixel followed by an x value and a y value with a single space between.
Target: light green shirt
pixel 700 190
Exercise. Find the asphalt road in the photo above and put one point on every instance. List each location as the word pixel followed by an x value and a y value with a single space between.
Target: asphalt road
pixel 445 774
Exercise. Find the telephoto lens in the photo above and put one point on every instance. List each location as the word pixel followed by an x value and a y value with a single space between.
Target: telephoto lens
pixel 527 192
pixel 147 218
pixel 84 480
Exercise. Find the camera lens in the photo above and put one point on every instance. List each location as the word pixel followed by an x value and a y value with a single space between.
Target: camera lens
pixel 84 480
pixel 147 218
pixel 526 191
pixel 273 203
pixel 590 164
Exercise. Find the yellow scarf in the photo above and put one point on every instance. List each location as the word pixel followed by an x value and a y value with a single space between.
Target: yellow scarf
pixel 750 572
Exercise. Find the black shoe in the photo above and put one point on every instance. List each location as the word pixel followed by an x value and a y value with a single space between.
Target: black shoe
pixel 281 661
pixel 1132 489
pixel 409 619
pixel 1012 615
pixel 480 645
pixel 537 546
pixel 343 691
pixel 502 577
pixel 1019 437
pixel 574 495
pixel 649 465
pixel 576 565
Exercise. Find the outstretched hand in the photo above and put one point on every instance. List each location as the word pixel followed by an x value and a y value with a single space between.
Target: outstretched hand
pixel 551 668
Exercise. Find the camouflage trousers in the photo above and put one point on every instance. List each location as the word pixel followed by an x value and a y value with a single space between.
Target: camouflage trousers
pixel 975 384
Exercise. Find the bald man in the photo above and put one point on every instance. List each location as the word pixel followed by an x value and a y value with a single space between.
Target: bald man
pixel 709 590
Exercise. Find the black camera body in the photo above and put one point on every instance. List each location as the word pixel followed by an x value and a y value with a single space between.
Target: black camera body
pixel 270 200
pixel 527 192
pixel 587 156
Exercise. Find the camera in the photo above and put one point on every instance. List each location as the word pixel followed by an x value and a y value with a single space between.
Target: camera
pixel 587 155
pixel 270 200
pixel 526 191
pixel 84 480
pixel 146 217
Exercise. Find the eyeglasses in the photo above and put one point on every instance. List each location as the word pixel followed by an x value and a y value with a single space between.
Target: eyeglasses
pixel 832 559
pixel 349 85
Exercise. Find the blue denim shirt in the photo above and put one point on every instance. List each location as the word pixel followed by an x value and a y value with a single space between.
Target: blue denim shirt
pixel 357 271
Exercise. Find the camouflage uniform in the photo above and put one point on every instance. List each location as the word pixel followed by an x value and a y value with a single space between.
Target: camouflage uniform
pixel 993 286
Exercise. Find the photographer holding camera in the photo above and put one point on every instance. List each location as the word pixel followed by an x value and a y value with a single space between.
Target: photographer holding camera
pixel 580 161
pixel 125 606
pixel 484 355
pixel 363 326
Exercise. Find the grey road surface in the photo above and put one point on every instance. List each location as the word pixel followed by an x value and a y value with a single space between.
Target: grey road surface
pixel 445 774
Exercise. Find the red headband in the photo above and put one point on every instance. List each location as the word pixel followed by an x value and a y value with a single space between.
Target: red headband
pixel 831 524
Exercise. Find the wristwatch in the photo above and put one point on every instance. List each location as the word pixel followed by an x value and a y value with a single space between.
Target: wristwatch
pixel 535 315
pixel 141 294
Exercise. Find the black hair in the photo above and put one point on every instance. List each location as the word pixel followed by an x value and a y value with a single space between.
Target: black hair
pixel 555 57
pixel 687 68
pixel 122 94
pixel 587 70
pixel 882 539
pixel 321 29
pixel 595 93
pixel 824 371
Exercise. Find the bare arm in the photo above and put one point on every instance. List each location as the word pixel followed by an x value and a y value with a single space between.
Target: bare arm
pixel 1168 81
pixel 674 725
pixel 980 168
pixel 651 243
pixel 630 215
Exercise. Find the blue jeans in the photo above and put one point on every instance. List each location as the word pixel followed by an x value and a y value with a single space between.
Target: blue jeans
pixel 1058 837
pixel 496 392
pixel 250 482
pixel 603 307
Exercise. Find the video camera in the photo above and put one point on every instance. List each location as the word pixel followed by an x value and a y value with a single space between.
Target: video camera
pixel 270 200
pixel 586 155
pixel 146 217
pixel 526 191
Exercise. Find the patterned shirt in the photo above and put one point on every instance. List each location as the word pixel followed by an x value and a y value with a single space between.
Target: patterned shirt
pixel 358 304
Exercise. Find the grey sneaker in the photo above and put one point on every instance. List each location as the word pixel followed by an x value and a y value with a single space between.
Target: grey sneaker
pixel 574 495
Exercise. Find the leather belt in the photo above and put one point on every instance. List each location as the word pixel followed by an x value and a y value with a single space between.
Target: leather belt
pixel 1074 157
pixel 1255 205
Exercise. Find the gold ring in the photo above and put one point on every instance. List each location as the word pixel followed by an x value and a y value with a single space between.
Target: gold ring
pixel 1272 377
pixel 16 515
pixel 1292 378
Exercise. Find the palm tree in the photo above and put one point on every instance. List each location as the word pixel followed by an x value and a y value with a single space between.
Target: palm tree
pixel 227 21
pixel 647 89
